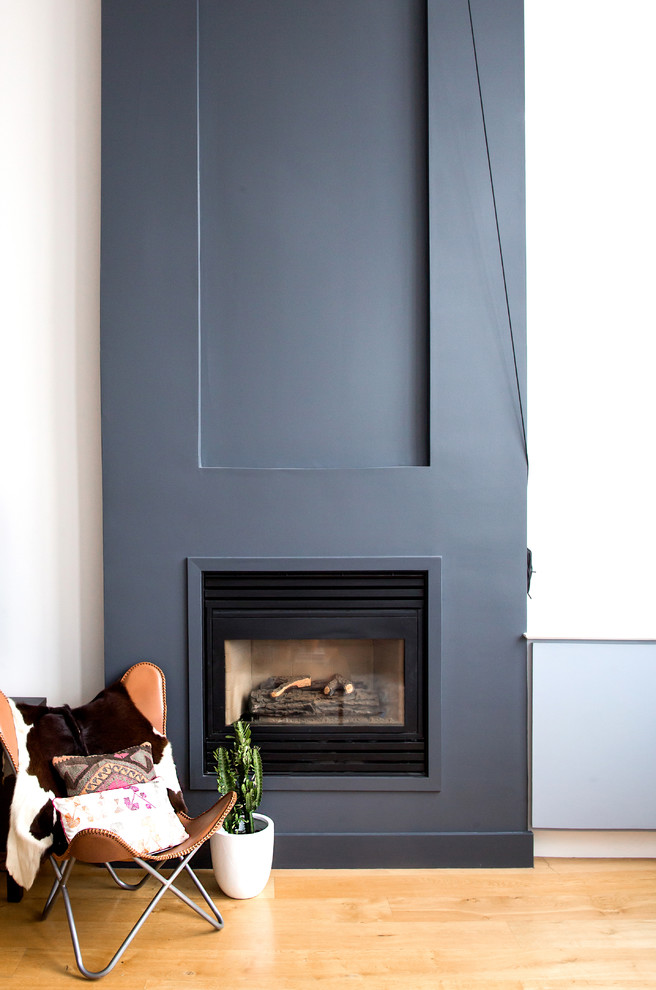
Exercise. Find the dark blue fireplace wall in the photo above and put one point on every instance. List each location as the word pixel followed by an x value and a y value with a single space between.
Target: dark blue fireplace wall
pixel 306 354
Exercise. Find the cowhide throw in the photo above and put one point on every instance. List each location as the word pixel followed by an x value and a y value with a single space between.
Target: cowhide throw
pixel 107 724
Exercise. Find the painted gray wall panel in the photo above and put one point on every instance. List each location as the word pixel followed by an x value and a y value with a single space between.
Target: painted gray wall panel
pixel 313 234
pixel 593 735
pixel 467 507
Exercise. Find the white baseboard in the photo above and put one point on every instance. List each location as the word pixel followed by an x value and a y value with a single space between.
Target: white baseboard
pixel 579 843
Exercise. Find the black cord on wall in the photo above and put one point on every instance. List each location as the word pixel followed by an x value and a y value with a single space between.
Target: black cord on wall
pixel 496 220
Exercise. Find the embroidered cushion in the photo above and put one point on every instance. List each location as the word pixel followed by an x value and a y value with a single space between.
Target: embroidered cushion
pixel 104 771
pixel 140 814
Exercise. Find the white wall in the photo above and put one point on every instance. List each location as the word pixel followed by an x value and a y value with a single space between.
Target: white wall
pixel 591 205
pixel 591 213
pixel 50 506
pixel 591 162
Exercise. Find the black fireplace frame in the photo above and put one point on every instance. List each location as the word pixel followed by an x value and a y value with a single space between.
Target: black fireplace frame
pixel 418 738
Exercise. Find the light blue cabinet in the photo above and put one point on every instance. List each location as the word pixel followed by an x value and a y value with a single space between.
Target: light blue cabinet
pixel 593 735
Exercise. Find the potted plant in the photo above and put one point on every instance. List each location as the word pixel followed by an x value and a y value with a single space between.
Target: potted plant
pixel 242 850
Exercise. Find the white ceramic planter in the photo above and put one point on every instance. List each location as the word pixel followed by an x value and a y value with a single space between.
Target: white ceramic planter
pixel 242 863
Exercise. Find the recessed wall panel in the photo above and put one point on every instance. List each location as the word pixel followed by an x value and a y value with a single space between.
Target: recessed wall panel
pixel 313 233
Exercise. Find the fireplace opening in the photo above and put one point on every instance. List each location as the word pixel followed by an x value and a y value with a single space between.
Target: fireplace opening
pixel 329 667
pixel 315 681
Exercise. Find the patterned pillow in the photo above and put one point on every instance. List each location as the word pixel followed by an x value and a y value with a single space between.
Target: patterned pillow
pixel 141 815
pixel 104 771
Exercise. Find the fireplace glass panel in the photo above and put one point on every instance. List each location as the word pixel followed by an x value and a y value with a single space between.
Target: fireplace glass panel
pixel 357 682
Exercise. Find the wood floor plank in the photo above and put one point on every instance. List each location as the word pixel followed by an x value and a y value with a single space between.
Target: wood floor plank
pixel 565 925
pixel 10 961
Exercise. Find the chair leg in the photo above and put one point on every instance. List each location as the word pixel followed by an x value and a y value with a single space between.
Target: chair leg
pixel 14 890
pixel 167 883
pixel 61 876
pixel 206 897
pixel 55 890
pixel 216 921
pixel 123 884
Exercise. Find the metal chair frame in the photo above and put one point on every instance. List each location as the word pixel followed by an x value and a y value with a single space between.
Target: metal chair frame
pixel 60 886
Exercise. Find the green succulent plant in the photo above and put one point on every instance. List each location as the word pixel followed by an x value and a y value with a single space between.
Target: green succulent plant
pixel 238 768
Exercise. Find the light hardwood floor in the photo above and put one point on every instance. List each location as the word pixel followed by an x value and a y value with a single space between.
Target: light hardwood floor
pixel 563 924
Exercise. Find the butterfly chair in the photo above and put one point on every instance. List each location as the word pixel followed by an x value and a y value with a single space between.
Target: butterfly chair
pixel 145 686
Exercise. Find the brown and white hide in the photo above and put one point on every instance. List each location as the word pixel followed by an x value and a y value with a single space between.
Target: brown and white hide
pixel 108 724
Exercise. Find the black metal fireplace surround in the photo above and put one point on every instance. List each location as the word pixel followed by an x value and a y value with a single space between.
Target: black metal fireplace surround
pixel 360 635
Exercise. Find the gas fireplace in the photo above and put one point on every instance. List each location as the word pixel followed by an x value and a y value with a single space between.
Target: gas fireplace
pixel 329 666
